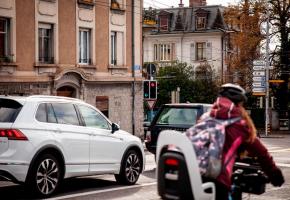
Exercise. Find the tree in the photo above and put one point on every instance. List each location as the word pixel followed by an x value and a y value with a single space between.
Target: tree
pixel 194 87
pixel 279 19
pixel 244 20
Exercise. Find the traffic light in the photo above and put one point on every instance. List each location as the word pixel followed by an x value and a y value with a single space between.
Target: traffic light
pixel 146 90
pixel 153 90
pixel 149 89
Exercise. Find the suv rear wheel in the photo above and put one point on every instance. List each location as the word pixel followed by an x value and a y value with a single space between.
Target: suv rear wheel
pixel 130 168
pixel 45 176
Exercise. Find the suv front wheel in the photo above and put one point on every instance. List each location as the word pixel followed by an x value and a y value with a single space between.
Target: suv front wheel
pixel 45 176
pixel 130 168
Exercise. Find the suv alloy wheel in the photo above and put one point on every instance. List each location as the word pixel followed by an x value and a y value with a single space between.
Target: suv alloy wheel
pixel 130 169
pixel 45 176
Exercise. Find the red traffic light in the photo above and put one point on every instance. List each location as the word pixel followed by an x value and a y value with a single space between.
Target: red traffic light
pixel 152 84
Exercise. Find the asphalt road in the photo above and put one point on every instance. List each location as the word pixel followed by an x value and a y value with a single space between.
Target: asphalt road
pixel 105 187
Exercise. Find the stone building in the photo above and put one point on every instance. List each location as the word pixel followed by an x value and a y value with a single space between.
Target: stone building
pixel 87 49
pixel 196 35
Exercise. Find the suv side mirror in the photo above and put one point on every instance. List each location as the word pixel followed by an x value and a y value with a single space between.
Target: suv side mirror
pixel 115 127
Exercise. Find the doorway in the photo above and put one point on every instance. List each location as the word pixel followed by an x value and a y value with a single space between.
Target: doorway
pixel 66 91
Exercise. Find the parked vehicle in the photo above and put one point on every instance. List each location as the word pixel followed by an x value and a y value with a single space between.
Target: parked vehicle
pixel 177 117
pixel 44 139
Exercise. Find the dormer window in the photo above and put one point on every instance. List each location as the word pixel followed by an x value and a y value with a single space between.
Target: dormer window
pixel 200 23
pixel 163 23
pixel 201 19
pixel 164 20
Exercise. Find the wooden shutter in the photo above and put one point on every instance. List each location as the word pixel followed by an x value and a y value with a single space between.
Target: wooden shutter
pixel 173 52
pixel 192 52
pixel 208 51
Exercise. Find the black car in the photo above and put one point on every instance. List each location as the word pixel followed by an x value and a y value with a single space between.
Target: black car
pixel 178 117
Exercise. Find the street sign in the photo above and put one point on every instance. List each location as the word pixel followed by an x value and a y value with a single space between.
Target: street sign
pixel 257 67
pixel 259 84
pixel 259 89
pixel 259 73
pixel 258 93
pixel 276 81
pixel 259 62
pixel 151 103
pixel 259 78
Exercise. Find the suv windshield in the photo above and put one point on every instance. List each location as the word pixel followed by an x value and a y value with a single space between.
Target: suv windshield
pixel 178 116
pixel 9 110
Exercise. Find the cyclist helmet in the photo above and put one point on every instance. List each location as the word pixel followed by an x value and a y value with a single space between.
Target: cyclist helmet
pixel 233 92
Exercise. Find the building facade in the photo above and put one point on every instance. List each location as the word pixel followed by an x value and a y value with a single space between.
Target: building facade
pixel 196 35
pixel 91 50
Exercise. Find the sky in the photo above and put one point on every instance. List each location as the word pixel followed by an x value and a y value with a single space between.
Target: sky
pixel 170 3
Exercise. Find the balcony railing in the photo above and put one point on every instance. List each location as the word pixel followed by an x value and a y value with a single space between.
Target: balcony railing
pixel 85 61
pixel 6 58
pixel 46 60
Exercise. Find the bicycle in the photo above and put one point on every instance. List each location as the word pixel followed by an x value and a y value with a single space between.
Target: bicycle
pixel 174 182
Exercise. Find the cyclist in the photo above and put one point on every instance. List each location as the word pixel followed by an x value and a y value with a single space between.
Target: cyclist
pixel 229 104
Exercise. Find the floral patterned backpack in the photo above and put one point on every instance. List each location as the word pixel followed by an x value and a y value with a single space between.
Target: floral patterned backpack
pixel 208 138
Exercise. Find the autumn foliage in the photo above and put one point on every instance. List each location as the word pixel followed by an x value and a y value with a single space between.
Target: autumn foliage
pixel 244 21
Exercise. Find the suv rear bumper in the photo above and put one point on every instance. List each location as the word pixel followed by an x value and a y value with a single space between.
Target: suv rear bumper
pixel 13 172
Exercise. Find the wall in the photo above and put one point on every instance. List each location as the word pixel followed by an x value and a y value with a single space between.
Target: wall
pixel 25 34
pixel 67 29
pixel 120 109
pixel 182 46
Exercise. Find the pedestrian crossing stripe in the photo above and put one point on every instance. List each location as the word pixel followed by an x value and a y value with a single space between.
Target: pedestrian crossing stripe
pixel 283 165
pixel 271 148
pixel 279 150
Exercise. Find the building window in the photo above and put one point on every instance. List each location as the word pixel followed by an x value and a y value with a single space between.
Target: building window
pixel 163 23
pixel 117 50
pixel 200 23
pixel 163 52
pixel 89 2
pixel 45 43
pixel 5 40
pixel 113 48
pixel 84 46
pixel 200 51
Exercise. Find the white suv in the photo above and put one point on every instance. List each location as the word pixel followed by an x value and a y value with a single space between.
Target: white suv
pixel 44 139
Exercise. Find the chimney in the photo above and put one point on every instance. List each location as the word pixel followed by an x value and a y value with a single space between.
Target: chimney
pixel 180 4
pixel 194 3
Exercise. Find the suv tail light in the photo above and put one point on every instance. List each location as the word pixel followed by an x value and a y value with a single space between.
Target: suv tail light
pixel 12 134
pixel 172 162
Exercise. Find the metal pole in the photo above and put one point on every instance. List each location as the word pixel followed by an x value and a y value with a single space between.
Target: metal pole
pixel 267 73
pixel 133 67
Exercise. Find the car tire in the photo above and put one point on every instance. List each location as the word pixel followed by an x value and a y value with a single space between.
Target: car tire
pixel 45 176
pixel 131 168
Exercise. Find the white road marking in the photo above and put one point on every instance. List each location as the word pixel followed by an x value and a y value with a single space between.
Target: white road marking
pixel 271 148
pixel 279 150
pixel 101 191
pixel 283 165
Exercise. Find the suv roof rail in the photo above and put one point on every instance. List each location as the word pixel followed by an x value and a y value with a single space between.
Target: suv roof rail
pixel 54 97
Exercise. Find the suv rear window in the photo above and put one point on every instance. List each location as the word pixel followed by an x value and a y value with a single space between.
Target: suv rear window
pixel 9 110
pixel 178 116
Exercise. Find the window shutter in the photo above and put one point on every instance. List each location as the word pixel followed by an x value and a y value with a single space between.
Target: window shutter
pixel 120 48
pixel 208 51
pixel 192 52
pixel 173 52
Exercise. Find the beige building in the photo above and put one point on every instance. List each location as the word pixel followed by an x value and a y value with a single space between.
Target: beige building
pixel 91 50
